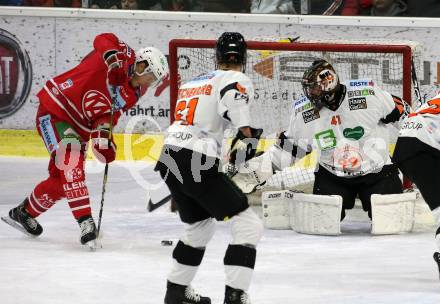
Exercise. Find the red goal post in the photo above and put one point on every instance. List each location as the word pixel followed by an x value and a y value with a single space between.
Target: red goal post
pixel 176 44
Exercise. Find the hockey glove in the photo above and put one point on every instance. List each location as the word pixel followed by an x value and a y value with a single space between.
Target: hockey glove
pixel 242 150
pixel 244 145
pixel 104 147
pixel 117 72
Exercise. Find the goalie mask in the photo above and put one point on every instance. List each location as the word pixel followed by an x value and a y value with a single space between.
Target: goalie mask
pixel 156 64
pixel 231 48
pixel 320 84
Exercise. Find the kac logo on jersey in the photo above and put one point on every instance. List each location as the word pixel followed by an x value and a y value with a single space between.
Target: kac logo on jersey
pixel 15 74
pixel 95 104
pixel 310 115
pixel 357 103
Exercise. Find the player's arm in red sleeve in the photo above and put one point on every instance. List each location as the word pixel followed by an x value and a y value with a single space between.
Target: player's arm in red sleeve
pixel 105 43
pixel 114 54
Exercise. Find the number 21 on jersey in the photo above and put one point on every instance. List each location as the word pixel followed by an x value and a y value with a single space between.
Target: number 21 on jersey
pixel 185 110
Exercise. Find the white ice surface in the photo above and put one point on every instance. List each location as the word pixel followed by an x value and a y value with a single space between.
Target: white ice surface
pixel 132 266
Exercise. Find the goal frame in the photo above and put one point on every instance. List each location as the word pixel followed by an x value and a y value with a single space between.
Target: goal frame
pixel 405 50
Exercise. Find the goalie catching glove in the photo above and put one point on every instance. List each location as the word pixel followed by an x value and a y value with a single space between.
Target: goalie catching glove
pixel 104 147
pixel 253 173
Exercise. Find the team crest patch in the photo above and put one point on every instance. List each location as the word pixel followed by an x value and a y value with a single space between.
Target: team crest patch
pixel 357 103
pixel 95 104
pixel 310 115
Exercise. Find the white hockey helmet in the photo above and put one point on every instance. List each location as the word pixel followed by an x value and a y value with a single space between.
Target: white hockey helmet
pixel 156 63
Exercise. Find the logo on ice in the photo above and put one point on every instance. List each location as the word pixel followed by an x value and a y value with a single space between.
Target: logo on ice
pixel 15 74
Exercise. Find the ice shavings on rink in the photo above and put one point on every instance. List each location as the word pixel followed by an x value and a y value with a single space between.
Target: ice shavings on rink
pixel 132 267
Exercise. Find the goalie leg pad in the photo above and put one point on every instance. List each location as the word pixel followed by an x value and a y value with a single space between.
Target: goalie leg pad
pixel 424 219
pixel 276 209
pixel 316 214
pixel 392 213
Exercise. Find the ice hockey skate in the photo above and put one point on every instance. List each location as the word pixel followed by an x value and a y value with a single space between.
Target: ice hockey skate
pixel 180 294
pixel 236 296
pixel 437 260
pixel 88 233
pixel 19 219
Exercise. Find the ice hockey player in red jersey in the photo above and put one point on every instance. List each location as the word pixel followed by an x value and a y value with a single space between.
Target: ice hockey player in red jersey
pixel 81 104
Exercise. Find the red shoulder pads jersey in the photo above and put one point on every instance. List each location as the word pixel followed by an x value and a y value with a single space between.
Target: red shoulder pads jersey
pixel 81 96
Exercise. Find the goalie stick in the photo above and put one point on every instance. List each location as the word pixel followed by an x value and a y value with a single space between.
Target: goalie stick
pixel 153 206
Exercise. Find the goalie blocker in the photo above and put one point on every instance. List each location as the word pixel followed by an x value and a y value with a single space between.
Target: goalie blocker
pixel 320 214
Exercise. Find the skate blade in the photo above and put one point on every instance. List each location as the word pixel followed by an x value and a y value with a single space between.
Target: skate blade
pixel 93 245
pixel 17 226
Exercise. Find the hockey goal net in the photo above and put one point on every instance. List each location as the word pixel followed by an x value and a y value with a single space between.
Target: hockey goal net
pixel 276 69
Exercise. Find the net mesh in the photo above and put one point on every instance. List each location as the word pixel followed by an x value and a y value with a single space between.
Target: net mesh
pixel 277 81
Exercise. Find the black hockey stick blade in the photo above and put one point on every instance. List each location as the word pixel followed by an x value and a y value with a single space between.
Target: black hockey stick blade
pixel 153 206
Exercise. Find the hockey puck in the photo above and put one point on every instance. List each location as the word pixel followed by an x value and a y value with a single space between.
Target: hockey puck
pixel 167 242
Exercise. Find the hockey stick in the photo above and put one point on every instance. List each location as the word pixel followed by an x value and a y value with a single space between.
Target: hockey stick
pixel 415 82
pixel 332 8
pixel 104 179
pixel 153 206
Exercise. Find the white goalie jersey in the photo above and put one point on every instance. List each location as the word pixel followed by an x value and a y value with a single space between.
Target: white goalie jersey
pixel 205 106
pixel 351 141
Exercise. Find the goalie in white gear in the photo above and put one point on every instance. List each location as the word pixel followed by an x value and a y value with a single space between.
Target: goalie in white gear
pixel 417 154
pixel 346 124
pixel 189 164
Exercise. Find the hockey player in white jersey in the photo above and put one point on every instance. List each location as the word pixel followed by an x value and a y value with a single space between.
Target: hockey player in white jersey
pixel 189 164
pixel 417 155
pixel 346 124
